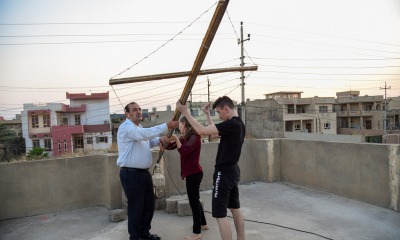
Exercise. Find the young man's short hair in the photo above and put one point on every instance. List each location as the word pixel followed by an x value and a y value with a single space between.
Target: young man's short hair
pixel 222 102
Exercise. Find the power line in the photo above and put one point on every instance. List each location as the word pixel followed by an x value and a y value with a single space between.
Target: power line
pixel 330 74
pixel 88 23
pixel 157 49
pixel 326 35
pixel 329 59
pixel 328 44
pixel 94 42
pixel 318 67
pixel 321 49
pixel 102 35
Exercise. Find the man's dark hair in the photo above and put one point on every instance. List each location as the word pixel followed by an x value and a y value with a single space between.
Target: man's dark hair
pixel 127 106
pixel 222 102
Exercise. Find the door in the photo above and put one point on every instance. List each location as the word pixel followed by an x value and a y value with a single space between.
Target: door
pixel 308 127
pixel 368 124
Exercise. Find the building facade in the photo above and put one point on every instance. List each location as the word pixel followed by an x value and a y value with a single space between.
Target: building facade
pixel 81 126
pixel 282 112
pixel 366 114
pixel 349 113
pixel 308 115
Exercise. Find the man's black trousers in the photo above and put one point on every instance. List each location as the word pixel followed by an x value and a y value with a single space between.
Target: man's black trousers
pixel 138 188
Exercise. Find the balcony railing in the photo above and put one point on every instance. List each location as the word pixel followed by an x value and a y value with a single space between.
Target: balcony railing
pixel 354 113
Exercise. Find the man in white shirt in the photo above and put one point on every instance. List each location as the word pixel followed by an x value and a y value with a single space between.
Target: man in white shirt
pixel 134 159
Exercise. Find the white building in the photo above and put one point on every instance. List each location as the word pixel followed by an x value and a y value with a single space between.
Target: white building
pixel 82 126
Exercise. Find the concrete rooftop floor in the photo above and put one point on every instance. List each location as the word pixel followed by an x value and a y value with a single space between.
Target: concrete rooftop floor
pixel 273 210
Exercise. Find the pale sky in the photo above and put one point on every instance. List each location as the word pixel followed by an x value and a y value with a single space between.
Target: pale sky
pixel 318 47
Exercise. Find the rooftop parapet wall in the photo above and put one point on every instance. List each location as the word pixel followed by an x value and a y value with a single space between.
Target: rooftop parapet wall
pixel 259 161
pixel 46 186
pixel 364 172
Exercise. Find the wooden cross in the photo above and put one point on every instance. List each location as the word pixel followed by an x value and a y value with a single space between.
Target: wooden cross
pixel 192 75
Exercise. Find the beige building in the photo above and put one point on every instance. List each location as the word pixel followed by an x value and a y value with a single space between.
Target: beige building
pixel 366 114
pixel 284 112
pixel 283 94
pixel 309 115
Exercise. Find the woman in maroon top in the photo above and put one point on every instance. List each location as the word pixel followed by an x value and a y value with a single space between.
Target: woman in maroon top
pixel 189 146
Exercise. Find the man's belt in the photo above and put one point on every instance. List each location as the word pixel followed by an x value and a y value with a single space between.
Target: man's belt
pixel 135 169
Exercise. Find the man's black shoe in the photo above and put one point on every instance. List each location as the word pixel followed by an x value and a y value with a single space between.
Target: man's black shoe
pixel 150 236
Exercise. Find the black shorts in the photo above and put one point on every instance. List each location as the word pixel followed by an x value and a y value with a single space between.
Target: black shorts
pixel 225 190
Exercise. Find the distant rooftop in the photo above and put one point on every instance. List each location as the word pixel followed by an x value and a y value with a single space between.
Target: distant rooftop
pixel 77 96
pixel 284 94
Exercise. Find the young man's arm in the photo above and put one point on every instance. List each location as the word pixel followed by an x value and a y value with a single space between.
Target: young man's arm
pixel 200 129
pixel 206 109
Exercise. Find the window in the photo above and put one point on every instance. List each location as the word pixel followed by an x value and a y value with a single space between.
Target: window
pixel 89 140
pixel 195 113
pixel 78 142
pixel 65 145
pixel 47 144
pixel 65 121
pixel 35 121
pixel 368 124
pixel 323 109
pixel 59 146
pixel 290 108
pixel 367 107
pixel 36 143
pixel 101 139
pixel 46 120
pixel 327 125
pixel 297 127
pixel 77 119
pixel 300 110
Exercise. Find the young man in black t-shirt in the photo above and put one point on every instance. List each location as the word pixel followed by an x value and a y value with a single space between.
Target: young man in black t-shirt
pixel 227 173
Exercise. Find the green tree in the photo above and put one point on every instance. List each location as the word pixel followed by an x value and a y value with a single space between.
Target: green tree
pixel 116 120
pixel 37 153
pixel 10 144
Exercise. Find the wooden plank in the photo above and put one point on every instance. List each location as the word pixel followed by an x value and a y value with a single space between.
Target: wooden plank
pixel 201 55
pixel 179 74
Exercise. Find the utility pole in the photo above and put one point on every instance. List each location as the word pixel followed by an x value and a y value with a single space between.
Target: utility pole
pixel 241 41
pixel 384 118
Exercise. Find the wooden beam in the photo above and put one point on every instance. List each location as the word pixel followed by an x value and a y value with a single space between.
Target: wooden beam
pixel 179 74
pixel 201 55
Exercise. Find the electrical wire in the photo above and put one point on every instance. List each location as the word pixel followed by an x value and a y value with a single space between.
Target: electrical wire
pixel 267 65
pixel 322 34
pixel 171 39
pixel 329 59
pixel 328 44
